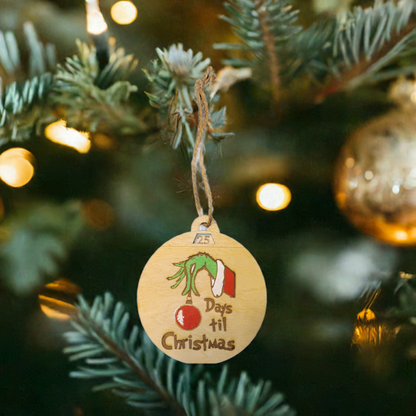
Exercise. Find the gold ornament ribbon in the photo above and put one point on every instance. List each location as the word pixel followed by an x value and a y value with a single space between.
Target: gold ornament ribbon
pixel 199 149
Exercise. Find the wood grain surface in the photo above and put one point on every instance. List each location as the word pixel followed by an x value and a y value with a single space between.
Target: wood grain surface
pixel 224 306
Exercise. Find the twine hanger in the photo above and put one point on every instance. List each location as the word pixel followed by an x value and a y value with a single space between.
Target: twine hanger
pixel 199 149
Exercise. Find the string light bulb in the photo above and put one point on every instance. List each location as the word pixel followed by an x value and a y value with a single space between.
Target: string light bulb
pixel 16 168
pixel 95 19
pixel 369 332
pixel 273 196
pixel 124 12
pixel 57 132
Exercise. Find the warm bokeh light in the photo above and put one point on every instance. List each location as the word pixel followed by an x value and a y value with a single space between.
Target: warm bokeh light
pixel 56 299
pixel 370 334
pixel 124 12
pixel 98 214
pixel 392 233
pixel 16 167
pixel 373 335
pixel 406 276
pixel 103 142
pixel 52 313
pixel 58 133
pixel 95 20
pixel 273 196
pixel 366 315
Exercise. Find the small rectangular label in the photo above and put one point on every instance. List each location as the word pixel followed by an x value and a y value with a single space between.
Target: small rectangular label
pixel 203 239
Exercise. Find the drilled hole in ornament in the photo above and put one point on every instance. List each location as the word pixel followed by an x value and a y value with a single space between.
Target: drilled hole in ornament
pixel 203 227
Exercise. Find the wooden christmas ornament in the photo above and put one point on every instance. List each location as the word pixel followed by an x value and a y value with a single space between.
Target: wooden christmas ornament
pixel 202 296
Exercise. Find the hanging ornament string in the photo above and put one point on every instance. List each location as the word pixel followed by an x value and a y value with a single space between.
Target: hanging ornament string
pixel 199 149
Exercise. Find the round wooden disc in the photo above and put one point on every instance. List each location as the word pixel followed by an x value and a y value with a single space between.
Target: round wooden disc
pixel 202 296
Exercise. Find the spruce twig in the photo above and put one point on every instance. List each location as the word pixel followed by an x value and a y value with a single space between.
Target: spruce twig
pixel 368 41
pixel 96 99
pixel 24 92
pixel 172 79
pixel 337 54
pixel 35 241
pixel 264 27
pixel 132 367
pixel 269 42
pixel 123 356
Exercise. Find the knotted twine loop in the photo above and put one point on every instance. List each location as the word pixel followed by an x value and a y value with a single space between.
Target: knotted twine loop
pixel 199 149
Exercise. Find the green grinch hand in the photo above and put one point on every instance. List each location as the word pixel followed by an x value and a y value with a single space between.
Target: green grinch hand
pixel 190 268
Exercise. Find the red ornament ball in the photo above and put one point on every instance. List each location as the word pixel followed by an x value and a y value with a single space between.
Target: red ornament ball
pixel 188 317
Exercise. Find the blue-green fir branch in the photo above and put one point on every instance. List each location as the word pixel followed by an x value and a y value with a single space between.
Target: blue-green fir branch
pixel 406 294
pixel 356 48
pixel 264 27
pixel 35 241
pixel 172 78
pixel 23 91
pixel 90 97
pixel 126 362
pixel 339 53
pixel 22 108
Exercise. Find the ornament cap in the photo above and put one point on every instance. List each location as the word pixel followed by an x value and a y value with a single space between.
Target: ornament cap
pixel 203 220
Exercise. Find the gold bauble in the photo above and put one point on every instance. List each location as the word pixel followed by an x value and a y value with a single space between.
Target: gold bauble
pixel 369 333
pixel 375 178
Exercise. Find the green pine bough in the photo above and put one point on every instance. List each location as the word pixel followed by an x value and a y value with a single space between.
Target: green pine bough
pixel 335 53
pixel 123 359
pixel 172 80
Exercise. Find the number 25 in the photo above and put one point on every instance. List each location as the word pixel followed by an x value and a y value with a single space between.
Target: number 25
pixel 202 239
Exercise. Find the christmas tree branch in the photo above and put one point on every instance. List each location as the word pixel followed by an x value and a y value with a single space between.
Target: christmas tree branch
pixel 172 79
pixel 263 26
pixel 35 241
pixel 269 42
pixel 95 99
pixel 86 319
pixel 368 41
pixel 22 101
pixel 132 367
pixel 407 301
pixel 337 54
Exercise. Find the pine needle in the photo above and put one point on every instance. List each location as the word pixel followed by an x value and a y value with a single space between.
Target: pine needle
pixel 126 362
